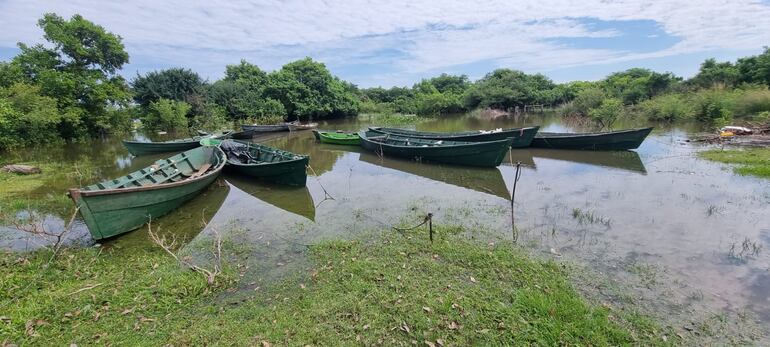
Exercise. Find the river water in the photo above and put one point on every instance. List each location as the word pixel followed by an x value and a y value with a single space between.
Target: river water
pixel 684 235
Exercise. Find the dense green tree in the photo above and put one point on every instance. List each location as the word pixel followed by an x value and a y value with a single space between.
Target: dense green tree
pixel 308 90
pixel 506 88
pixel 712 74
pixel 166 114
pixel 78 70
pixel 755 69
pixel 635 85
pixel 174 84
pixel 27 117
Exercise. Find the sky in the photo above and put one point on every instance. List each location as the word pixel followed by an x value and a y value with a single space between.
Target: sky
pixel 387 43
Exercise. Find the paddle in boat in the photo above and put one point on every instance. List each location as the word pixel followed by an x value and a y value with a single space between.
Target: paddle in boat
pixel 123 204
pixel 338 137
pixel 141 148
pixel 486 154
pixel 609 140
pixel 522 137
pixel 265 162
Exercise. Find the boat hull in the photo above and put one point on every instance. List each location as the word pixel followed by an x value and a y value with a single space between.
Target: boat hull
pixel 113 212
pixel 289 170
pixel 265 128
pixel 339 138
pixel 616 140
pixel 288 173
pixel 522 137
pixel 142 148
pixel 483 154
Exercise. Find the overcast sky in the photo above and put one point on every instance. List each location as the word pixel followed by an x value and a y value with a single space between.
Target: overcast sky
pixel 398 42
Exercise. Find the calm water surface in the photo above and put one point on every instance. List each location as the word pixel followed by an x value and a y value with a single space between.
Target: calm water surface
pixel 670 224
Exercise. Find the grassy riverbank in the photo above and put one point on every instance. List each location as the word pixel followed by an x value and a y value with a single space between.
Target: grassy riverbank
pixel 393 290
pixel 750 161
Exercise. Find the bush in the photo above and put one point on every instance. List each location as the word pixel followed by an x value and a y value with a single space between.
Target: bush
pixel 585 100
pixel 212 118
pixel 669 107
pixel 751 102
pixel 608 112
pixel 713 106
pixel 166 114
pixel 26 117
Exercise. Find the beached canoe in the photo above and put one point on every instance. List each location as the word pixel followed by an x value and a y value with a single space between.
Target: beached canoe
pixel 488 154
pixel 179 145
pixel 265 162
pixel 257 128
pixel 610 140
pixel 522 137
pixel 338 138
pixel 299 126
pixel 123 204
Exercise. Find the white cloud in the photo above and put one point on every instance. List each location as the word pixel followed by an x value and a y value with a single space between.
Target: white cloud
pixel 430 36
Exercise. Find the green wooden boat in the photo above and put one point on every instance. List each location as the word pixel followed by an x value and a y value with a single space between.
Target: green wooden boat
pixel 179 145
pixel 489 154
pixel 123 204
pixel 610 140
pixel 268 163
pixel 339 138
pixel 522 137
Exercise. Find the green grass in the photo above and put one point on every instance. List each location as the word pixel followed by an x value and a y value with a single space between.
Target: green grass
pixel 41 192
pixel 392 119
pixel 752 161
pixel 132 294
pixel 393 290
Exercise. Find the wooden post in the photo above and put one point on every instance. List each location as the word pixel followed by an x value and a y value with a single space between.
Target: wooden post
pixel 430 226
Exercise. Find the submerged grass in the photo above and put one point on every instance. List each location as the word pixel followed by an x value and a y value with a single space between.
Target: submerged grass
pixel 34 192
pixel 392 119
pixel 752 161
pixel 393 290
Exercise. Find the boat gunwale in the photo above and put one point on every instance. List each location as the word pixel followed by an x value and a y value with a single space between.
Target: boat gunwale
pixel 76 192
pixel 298 157
pixel 454 144
pixel 188 140
pixel 603 133
pixel 430 134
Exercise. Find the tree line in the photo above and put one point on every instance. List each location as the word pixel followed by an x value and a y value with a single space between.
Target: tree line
pixel 70 89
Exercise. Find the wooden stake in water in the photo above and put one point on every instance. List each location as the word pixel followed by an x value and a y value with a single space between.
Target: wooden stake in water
pixel 430 226
pixel 513 198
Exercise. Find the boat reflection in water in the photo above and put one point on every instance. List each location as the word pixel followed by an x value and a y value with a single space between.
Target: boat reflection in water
pixel 296 200
pixel 623 160
pixel 485 180
pixel 183 223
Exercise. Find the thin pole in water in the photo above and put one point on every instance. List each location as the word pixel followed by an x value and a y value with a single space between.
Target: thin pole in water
pixel 516 177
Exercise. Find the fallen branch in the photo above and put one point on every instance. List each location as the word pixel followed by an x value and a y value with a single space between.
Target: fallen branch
pixel 85 288
pixel 169 244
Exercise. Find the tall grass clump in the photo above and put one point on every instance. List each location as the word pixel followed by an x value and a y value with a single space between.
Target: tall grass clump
pixel 666 108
